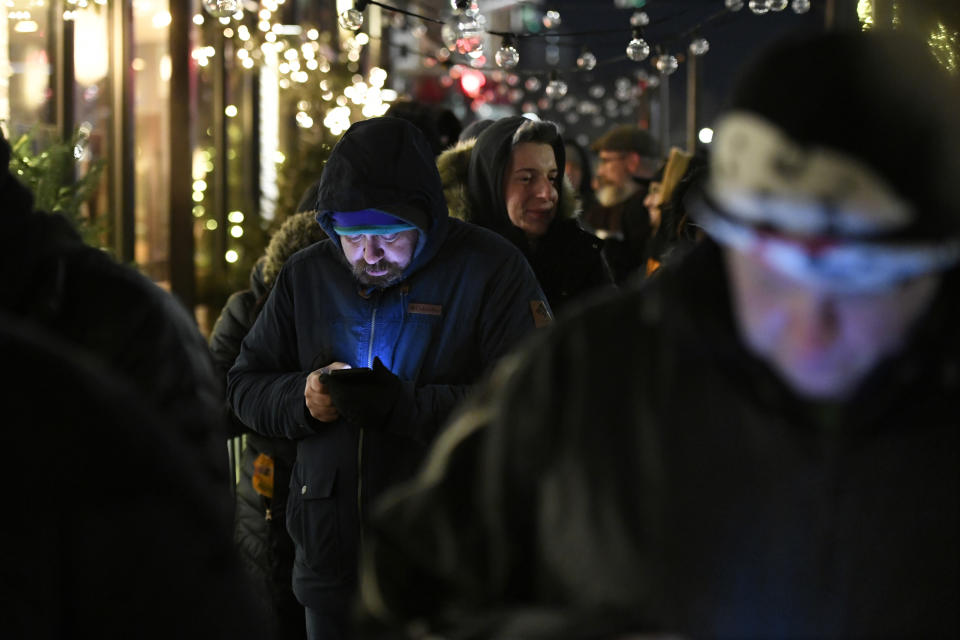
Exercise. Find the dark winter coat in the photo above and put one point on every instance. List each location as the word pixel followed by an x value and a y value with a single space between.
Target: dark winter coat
pixel 55 281
pixel 567 260
pixel 128 536
pixel 466 298
pixel 259 527
pixel 661 479
pixel 626 249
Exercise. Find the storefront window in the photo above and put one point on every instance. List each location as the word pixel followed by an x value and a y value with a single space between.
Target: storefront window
pixel 91 116
pixel 151 96
pixel 26 72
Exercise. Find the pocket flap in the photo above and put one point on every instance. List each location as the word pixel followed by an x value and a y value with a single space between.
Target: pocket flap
pixel 318 483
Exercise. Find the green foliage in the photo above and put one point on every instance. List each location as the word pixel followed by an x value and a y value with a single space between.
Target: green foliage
pixel 50 172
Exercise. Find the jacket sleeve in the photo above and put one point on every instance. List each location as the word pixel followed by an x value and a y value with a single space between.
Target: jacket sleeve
pixel 458 538
pixel 513 307
pixel 265 385
pixel 225 339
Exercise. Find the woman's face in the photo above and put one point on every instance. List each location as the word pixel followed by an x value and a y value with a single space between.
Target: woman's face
pixel 530 188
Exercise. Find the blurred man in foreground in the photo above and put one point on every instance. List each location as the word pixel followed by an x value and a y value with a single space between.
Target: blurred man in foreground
pixel 765 444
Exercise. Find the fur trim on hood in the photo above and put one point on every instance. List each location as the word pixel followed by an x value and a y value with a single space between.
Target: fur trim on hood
pixel 297 232
pixel 453 165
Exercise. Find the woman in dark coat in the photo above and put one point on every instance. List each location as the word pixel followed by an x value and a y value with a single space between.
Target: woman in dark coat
pixel 510 180
pixel 259 529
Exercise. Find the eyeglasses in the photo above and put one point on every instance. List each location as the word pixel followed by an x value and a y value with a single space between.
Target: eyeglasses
pixel 611 158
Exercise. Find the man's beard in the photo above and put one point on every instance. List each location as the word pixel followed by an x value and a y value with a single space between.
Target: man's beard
pixel 609 194
pixel 361 268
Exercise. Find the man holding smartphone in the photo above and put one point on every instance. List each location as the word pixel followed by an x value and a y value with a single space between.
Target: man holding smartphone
pixel 368 341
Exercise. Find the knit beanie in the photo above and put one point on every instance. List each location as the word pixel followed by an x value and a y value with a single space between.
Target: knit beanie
pixel 843 141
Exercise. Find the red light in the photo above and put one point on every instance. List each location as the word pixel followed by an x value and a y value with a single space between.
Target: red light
pixel 472 82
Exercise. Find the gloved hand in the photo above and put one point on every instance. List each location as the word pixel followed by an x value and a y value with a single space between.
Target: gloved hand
pixel 364 400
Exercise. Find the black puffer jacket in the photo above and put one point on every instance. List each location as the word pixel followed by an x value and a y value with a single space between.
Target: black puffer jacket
pixel 259 530
pixel 567 261
pixel 664 480
pixel 74 291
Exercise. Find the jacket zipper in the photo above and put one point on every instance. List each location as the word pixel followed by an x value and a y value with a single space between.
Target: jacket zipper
pixel 373 328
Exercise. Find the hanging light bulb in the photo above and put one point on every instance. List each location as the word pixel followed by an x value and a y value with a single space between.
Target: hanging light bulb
pixel 699 46
pixel 800 6
pixel 551 19
pixel 586 61
pixel 351 19
pixel 666 64
pixel 733 5
pixel 638 49
pixel 777 5
pixel 759 7
pixel 556 88
pixel 507 55
pixel 639 19
pixel 222 8
pixel 462 32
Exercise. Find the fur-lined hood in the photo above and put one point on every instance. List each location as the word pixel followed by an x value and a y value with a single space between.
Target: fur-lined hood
pixel 298 232
pixel 453 165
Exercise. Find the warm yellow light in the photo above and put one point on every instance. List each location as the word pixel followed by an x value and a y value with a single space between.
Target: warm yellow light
pixel 279 158
pixel 236 231
pixel 197 196
pixel 362 38
pixel 236 217
pixel 199 185
pixel 211 224
pixel 198 19
pixel 231 256
pixel 865 14
pixel 231 110
pixel 247 63
pixel 313 34
pixel 162 20
pixel 138 64
pixel 26 26
pixel 199 210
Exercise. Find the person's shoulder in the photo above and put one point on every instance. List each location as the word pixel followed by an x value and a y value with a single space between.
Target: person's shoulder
pixel 326 250
pixel 471 238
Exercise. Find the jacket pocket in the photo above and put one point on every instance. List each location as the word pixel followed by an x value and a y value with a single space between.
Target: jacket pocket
pixel 312 520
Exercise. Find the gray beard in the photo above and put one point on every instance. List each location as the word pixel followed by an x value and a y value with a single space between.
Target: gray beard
pixel 610 195
pixel 393 274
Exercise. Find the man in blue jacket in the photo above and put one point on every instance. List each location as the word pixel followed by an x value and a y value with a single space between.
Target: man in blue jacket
pixel 368 341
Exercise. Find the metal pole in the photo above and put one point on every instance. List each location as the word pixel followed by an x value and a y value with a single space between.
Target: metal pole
pixel 182 272
pixel 219 124
pixel 121 143
pixel 664 114
pixel 64 72
pixel 693 81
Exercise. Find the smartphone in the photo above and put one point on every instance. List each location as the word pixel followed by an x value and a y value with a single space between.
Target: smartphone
pixel 347 375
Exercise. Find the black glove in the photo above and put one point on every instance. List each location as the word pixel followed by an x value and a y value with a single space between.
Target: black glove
pixel 364 397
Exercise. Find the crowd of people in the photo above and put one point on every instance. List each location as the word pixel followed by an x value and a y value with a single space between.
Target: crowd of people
pixel 499 387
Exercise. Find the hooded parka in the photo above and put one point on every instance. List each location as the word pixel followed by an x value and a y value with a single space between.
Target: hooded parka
pixel 567 260
pixel 466 298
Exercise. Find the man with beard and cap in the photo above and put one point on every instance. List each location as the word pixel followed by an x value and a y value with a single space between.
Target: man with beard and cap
pixel 627 158
pixel 368 340
pixel 760 442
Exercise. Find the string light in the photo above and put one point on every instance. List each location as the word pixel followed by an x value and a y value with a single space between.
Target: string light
pixel 759 7
pixel 666 64
pixel 222 8
pixel 699 46
pixel 638 49
pixel 777 5
pixel 551 20
pixel 733 5
pixel 507 56
pixel 586 61
pixel 800 6
pixel 639 19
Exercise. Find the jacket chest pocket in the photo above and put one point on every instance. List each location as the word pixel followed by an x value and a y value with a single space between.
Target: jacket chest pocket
pixel 313 522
